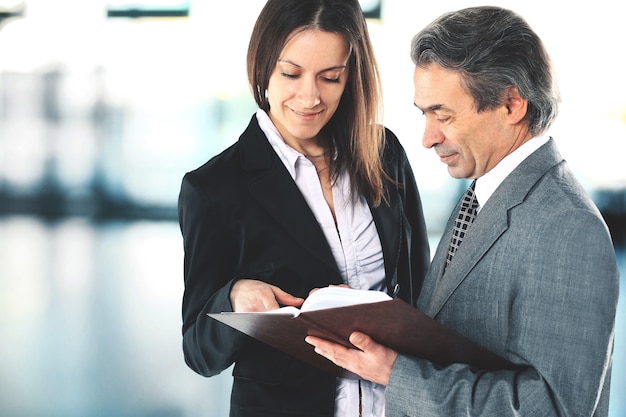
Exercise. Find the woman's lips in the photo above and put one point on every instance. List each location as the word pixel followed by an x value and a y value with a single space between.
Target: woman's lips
pixel 308 116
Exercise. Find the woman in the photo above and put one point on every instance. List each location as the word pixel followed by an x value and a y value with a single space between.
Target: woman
pixel 315 192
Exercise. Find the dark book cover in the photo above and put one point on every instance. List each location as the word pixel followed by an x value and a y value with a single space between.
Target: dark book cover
pixel 392 323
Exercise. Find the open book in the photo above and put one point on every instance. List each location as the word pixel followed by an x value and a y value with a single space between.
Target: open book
pixel 333 313
pixel 332 297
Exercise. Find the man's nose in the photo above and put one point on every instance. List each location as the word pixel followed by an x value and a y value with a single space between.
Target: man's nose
pixel 432 135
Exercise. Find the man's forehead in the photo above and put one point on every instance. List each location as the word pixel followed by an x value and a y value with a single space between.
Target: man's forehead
pixel 438 89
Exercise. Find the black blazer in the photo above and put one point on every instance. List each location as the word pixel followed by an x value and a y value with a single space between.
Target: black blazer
pixel 242 216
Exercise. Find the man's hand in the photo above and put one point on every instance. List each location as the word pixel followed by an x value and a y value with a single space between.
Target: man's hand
pixel 372 362
pixel 249 295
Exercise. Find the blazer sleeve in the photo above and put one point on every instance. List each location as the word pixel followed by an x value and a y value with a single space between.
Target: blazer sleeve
pixel 559 331
pixel 209 346
pixel 415 260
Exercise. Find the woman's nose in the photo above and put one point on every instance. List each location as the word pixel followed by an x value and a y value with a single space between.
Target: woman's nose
pixel 309 94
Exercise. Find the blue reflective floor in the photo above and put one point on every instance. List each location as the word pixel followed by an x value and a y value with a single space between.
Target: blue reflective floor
pixel 90 324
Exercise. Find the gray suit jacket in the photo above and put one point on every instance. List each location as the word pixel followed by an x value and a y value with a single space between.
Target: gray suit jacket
pixel 535 281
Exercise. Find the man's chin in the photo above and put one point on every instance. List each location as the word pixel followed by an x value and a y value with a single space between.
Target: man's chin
pixel 454 173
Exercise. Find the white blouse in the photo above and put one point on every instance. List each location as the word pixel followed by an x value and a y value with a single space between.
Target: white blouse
pixel 356 246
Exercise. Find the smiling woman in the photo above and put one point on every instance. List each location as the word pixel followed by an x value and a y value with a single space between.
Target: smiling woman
pixel 303 93
pixel 305 88
pixel 315 192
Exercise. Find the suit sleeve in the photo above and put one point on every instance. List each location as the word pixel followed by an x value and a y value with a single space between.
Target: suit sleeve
pixel 560 332
pixel 209 346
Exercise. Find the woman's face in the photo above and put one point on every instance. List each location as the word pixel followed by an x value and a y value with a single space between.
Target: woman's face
pixel 307 83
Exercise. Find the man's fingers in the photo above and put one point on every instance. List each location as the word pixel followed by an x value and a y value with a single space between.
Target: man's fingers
pixel 370 360
pixel 329 350
pixel 360 340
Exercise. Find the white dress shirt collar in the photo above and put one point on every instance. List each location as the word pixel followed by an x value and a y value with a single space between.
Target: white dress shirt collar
pixel 286 153
pixel 488 183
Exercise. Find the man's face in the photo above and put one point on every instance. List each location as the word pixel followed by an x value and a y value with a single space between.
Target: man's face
pixel 468 142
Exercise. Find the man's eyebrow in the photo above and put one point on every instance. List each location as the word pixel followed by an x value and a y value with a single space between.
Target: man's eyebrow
pixel 434 107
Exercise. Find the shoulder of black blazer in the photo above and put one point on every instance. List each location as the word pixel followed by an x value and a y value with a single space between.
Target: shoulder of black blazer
pixel 253 162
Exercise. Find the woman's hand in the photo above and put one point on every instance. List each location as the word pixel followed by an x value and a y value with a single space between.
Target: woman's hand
pixel 248 295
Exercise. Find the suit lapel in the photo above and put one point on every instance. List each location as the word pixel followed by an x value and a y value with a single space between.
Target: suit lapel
pixel 271 185
pixel 435 270
pixel 490 224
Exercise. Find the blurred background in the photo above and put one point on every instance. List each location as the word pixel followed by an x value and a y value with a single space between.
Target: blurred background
pixel 104 105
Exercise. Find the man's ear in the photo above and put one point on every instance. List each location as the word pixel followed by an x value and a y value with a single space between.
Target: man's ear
pixel 516 105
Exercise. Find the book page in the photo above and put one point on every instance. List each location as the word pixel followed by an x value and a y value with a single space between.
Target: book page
pixel 331 297
pixel 289 310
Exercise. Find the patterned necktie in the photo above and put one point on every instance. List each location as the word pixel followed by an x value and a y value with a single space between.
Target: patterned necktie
pixel 464 220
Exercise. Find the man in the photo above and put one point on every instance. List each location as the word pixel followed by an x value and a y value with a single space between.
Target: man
pixel 534 278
